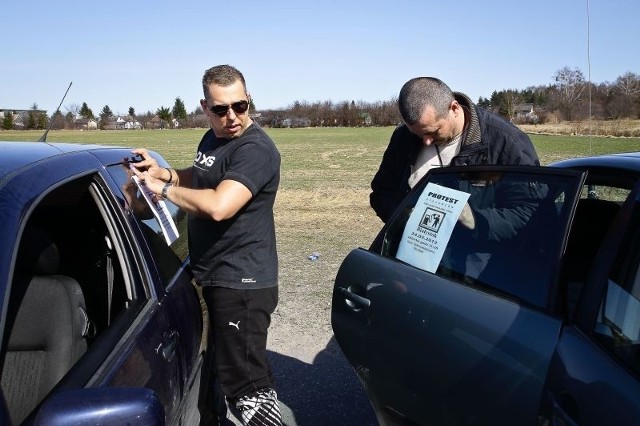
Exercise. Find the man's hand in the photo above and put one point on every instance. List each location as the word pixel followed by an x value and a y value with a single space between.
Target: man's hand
pixel 150 165
pixel 466 217
pixel 155 185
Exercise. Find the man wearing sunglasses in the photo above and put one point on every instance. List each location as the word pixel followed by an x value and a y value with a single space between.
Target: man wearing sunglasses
pixel 229 193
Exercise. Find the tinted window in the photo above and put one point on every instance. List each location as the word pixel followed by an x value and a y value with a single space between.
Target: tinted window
pixel 516 234
pixel 618 321
pixel 168 258
pixel 597 207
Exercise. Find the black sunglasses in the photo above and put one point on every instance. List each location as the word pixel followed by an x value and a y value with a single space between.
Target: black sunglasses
pixel 239 107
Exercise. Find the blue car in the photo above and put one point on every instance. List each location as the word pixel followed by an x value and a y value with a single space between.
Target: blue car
pixel 100 321
pixel 501 296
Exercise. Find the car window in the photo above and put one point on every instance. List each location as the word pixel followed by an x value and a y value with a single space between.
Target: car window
pixel 600 201
pixel 618 322
pixel 69 289
pixel 604 192
pixel 519 219
pixel 169 258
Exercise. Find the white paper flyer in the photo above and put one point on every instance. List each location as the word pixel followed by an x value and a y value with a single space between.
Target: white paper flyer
pixel 430 225
pixel 160 211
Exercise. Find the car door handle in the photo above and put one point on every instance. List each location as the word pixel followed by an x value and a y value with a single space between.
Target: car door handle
pixel 358 301
pixel 169 345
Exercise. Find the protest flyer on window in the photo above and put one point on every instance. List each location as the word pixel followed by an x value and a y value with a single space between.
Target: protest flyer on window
pixel 430 226
pixel 160 211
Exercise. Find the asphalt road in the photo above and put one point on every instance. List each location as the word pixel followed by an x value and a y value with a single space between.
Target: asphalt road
pixel 325 392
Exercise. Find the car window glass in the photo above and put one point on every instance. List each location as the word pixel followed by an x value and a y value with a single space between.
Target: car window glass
pixel 604 192
pixel 618 321
pixel 169 259
pixel 599 203
pixel 519 222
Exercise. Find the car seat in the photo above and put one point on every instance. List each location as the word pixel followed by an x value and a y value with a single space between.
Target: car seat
pixel 49 328
pixel 591 223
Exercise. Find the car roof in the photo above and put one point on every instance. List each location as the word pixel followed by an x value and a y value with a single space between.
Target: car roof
pixel 629 161
pixel 16 155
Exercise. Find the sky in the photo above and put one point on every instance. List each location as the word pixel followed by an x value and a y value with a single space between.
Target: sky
pixel 145 54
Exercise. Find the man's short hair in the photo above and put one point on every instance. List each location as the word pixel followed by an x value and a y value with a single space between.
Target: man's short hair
pixel 420 92
pixel 222 75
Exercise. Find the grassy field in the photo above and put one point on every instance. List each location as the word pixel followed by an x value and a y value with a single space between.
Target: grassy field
pixel 323 202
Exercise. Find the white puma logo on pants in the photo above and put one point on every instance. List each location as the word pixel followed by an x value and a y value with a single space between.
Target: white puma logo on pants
pixel 236 325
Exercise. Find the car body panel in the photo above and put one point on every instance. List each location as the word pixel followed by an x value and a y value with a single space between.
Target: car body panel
pixel 65 408
pixel 435 349
pixel 586 387
pixel 154 340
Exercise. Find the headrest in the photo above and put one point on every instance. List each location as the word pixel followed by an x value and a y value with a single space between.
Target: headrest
pixel 38 254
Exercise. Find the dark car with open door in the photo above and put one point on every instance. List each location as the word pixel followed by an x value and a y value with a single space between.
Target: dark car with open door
pixel 525 311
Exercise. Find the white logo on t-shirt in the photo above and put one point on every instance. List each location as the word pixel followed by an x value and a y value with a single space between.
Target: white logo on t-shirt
pixel 204 159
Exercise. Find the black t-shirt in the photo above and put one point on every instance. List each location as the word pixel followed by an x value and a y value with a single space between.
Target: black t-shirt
pixel 239 252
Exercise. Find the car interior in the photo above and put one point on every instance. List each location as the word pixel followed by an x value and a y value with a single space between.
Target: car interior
pixel 591 222
pixel 600 202
pixel 68 287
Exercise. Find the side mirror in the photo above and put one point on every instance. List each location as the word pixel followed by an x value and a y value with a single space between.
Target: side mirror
pixel 106 405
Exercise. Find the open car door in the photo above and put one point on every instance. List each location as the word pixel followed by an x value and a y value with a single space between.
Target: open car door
pixel 446 317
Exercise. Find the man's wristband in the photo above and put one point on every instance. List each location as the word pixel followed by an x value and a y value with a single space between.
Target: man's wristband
pixel 170 175
pixel 165 189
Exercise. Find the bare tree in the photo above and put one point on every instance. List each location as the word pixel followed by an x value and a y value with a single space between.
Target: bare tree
pixel 628 84
pixel 510 100
pixel 627 95
pixel 570 86
pixel 73 109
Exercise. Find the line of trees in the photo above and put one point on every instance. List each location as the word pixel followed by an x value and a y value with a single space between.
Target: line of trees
pixel 32 119
pixel 569 97
pixel 572 98
pixel 106 116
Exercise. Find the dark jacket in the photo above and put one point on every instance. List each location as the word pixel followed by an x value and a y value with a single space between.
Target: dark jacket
pixel 487 139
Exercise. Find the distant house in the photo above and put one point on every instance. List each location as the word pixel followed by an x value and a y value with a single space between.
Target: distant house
pixel 20 116
pixel 295 122
pixel 525 113
pixel 108 123
pixel 85 124
pixel 127 122
pixel 120 123
pixel 156 123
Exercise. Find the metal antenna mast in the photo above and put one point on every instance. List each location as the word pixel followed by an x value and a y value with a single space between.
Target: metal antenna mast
pixel 43 138
pixel 589 70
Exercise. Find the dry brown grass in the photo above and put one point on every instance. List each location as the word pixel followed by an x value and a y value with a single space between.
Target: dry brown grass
pixel 610 128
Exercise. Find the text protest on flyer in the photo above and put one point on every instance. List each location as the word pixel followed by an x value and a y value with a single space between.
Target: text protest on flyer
pixel 430 226
pixel 160 211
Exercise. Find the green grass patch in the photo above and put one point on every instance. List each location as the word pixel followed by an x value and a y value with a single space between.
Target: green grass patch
pixel 314 149
pixel 317 159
